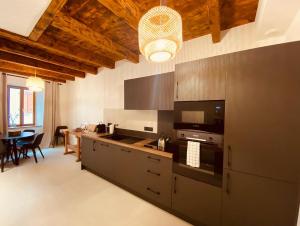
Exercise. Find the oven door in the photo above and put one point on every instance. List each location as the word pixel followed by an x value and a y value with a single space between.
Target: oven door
pixel 211 163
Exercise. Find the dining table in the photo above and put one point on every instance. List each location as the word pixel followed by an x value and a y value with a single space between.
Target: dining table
pixel 13 141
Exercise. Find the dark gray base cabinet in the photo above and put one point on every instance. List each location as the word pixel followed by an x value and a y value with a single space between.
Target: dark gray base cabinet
pixel 196 200
pixel 146 174
pixel 257 201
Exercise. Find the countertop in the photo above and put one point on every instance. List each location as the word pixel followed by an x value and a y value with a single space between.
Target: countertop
pixel 137 146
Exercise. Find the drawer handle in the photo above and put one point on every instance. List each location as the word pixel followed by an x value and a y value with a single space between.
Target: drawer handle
pixel 128 151
pixel 149 157
pixel 94 142
pixel 175 183
pixel 228 184
pixel 229 157
pixel 154 173
pixel 177 90
pixel 154 192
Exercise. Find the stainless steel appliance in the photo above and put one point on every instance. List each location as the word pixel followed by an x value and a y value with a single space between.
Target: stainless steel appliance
pixel 205 116
pixel 211 156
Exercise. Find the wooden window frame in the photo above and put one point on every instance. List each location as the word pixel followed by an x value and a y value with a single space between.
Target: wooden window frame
pixel 22 89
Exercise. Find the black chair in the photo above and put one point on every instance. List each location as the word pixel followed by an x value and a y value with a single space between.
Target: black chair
pixel 58 134
pixel 32 145
pixel 3 153
pixel 26 140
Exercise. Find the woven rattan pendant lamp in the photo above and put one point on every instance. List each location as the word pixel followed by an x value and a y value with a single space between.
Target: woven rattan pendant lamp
pixel 35 84
pixel 160 34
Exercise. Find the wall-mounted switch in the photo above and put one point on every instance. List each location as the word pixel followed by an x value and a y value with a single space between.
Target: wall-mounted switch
pixel 148 129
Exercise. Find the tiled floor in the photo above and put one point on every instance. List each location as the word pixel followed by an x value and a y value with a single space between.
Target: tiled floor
pixel 56 192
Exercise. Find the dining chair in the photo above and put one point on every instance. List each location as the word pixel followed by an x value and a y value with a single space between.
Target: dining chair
pixel 22 141
pixel 24 147
pixel 58 133
pixel 3 153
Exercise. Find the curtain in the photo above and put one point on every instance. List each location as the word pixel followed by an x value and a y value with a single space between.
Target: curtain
pixel 3 107
pixel 50 113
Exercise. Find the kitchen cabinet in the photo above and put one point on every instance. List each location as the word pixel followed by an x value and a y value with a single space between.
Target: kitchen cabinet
pixel 199 201
pixel 105 157
pixel 155 174
pixel 253 201
pixel 150 93
pixel 126 165
pixel 146 174
pixel 89 157
pixel 262 123
pixel 201 80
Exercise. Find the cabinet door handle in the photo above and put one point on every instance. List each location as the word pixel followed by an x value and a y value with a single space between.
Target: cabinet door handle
pixel 175 183
pixel 124 150
pixel 94 149
pixel 177 90
pixel 154 192
pixel 228 183
pixel 149 157
pixel 154 173
pixel 229 156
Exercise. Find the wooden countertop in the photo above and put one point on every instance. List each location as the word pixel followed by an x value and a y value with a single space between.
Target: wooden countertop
pixel 137 146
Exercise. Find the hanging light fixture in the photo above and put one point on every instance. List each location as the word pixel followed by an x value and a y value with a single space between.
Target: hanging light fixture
pixel 160 34
pixel 35 84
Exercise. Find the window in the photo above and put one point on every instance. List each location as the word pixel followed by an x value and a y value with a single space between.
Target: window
pixel 21 106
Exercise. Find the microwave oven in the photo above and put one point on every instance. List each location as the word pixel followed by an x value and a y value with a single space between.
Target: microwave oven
pixel 206 116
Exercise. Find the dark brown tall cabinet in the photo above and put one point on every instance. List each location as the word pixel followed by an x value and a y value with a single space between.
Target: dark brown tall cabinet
pixel 201 79
pixel 262 130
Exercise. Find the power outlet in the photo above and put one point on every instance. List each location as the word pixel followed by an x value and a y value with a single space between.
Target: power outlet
pixel 148 129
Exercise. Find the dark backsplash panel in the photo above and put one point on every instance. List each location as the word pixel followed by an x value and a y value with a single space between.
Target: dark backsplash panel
pixel 134 133
pixel 165 124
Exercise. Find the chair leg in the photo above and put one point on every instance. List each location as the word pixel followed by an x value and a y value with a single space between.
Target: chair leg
pixel 41 151
pixel 34 154
pixel 2 163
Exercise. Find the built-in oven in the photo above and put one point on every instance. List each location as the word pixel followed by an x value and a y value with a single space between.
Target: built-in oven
pixel 205 116
pixel 209 157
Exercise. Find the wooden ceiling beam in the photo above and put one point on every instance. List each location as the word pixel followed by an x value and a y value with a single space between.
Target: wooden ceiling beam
pixel 5 56
pixel 60 48
pixel 38 54
pixel 214 20
pixel 127 10
pixel 76 6
pixel 82 32
pixel 14 68
pixel 46 19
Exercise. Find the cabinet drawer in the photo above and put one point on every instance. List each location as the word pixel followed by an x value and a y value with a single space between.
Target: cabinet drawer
pixel 156 163
pixel 160 193
pixel 155 178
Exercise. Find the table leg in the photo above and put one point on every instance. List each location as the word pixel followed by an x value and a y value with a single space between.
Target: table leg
pixel 15 152
pixel 78 149
pixel 66 142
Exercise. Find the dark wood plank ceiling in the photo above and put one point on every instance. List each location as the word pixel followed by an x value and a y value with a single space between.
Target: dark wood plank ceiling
pixel 74 37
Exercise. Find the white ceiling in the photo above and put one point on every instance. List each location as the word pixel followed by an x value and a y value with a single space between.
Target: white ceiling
pixel 20 16
pixel 274 17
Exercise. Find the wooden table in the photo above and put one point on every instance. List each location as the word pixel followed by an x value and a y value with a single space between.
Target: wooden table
pixel 69 148
pixel 14 142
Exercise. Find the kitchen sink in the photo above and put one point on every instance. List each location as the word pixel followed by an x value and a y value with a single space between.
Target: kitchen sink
pixel 123 138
